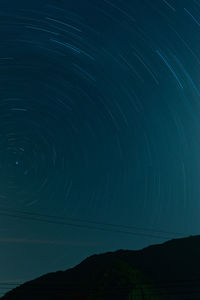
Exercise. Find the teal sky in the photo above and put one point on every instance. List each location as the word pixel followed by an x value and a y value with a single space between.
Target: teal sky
pixel 99 125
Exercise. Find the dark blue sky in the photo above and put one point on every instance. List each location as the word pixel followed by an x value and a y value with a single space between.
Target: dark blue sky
pixel 99 122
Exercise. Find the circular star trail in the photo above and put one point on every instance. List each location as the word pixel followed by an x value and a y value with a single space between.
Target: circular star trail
pixel 99 109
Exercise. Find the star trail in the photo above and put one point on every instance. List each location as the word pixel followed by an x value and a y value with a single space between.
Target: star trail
pixel 99 125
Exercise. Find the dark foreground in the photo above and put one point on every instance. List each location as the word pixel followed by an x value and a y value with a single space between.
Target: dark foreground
pixel 167 271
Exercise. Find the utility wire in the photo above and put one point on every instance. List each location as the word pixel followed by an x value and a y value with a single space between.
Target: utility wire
pixel 67 221
pixel 93 222
pixel 173 283
pixel 39 219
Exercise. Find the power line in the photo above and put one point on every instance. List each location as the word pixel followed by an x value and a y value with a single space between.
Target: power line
pixel 66 221
pixel 149 289
pixel 155 283
pixel 94 222
pixel 84 226
pixel 111 291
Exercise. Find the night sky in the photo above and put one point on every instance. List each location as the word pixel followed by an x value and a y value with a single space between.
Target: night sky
pixel 99 129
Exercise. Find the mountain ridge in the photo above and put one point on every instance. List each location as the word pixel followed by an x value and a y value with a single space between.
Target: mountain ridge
pixel 157 271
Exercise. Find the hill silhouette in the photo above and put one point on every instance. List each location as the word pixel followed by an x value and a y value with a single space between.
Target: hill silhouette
pixel 166 271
